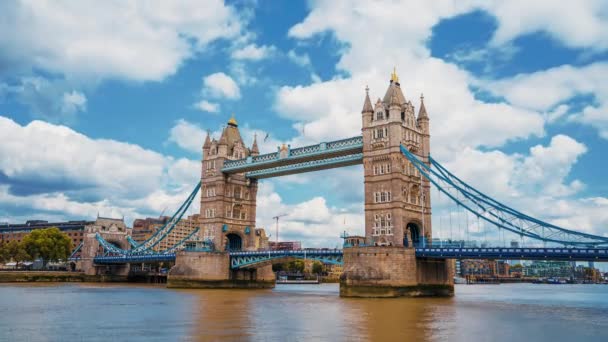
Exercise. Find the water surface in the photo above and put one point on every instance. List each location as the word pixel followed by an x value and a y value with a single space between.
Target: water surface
pixel 101 312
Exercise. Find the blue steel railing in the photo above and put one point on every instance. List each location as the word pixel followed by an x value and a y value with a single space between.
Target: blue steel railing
pixel 311 165
pixel 573 254
pixel 321 150
pixel 246 259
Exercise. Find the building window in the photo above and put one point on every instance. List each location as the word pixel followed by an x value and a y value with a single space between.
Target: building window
pixel 379 115
pixel 237 192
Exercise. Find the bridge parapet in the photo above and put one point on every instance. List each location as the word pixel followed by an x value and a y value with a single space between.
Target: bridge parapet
pixel 324 150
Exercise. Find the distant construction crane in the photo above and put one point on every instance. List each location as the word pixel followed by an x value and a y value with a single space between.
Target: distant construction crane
pixel 277 227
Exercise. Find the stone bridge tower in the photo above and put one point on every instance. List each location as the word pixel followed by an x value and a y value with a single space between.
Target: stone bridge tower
pixel 112 230
pixel 228 202
pixel 397 206
pixel 397 198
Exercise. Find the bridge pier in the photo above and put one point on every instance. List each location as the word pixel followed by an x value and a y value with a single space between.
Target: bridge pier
pixel 391 271
pixel 212 270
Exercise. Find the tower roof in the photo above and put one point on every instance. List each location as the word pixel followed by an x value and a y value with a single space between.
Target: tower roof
pixel 394 90
pixel 367 105
pixel 422 111
pixel 231 135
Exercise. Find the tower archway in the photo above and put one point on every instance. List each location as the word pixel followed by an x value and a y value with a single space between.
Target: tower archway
pixel 234 243
pixel 414 232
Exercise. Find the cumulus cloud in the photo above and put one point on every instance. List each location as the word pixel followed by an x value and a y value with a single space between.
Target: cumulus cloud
pixel 187 136
pixel 548 90
pixel 73 102
pixel 206 106
pixel 73 39
pixel 220 85
pixel 302 60
pixel 52 168
pixel 253 52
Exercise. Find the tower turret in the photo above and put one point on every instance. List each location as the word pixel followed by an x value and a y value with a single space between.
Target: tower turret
pixel 206 145
pixel 367 111
pixel 254 148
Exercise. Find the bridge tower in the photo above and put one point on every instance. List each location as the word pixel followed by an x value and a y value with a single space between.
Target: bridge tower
pixel 228 202
pixel 397 198
pixel 228 208
pixel 397 206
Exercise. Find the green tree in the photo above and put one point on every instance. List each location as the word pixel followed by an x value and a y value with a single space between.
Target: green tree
pixel 48 244
pixel 317 267
pixel 296 266
pixel 15 251
pixel 3 253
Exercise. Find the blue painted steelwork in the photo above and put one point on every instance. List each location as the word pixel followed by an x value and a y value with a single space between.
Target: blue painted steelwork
pixel 132 242
pixel 335 256
pixel 247 259
pixel 496 213
pixel 160 234
pixel 307 166
pixel 126 259
pixel 326 150
pixel 573 254
pixel 76 250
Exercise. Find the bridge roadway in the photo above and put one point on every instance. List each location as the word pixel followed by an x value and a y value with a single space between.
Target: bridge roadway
pixel 243 259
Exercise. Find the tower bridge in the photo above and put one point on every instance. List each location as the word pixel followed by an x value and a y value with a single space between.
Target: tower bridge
pixel 398 256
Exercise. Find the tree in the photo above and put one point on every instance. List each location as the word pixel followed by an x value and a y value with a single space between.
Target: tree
pixel 48 244
pixel 317 267
pixel 15 251
pixel 3 253
pixel 296 266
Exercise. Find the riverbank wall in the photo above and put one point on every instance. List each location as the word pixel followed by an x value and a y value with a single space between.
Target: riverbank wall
pixel 59 277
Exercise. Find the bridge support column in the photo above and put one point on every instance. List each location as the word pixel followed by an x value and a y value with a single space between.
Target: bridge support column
pixel 212 270
pixel 393 272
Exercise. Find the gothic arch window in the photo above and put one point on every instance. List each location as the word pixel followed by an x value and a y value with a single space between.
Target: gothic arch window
pixel 415 194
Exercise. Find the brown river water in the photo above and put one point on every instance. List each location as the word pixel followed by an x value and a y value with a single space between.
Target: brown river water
pixel 94 312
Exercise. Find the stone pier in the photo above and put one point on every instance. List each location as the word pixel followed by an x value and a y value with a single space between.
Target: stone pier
pixel 212 270
pixel 394 272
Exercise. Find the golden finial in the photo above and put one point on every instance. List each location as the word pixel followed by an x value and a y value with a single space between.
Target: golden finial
pixel 394 76
pixel 232 120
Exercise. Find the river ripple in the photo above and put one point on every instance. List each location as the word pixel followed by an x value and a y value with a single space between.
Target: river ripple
pixel 94 312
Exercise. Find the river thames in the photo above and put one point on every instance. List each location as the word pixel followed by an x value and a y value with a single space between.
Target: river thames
pixel 94 312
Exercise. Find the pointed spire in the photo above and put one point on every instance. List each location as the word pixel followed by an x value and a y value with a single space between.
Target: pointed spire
pixel 422 111
pixel 394 77
pixel 367 105
pixel 223 139
pixel 254 147
pixel 232 121
pixel 207 143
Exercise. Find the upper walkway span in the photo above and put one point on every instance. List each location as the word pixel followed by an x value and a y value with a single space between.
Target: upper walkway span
pixel 286 161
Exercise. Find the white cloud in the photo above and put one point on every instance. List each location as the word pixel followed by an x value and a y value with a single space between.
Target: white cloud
pixel 302 60
pixel 187 136
pixel 73 39
pixel 585 27
pixel 207 106
pixel 73 102
pixel 51 168
pixel 544 90
pixel 220 85
pixel 49 99
pixel 253 52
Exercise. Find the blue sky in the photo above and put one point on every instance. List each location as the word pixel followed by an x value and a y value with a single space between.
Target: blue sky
pixel 103 106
